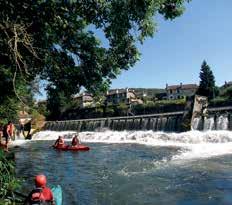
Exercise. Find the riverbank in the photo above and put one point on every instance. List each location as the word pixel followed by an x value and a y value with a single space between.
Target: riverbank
pixel 8 181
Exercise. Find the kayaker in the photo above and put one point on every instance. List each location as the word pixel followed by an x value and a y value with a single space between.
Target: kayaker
pixel 59 142
pixel 41 194
pixel 75 141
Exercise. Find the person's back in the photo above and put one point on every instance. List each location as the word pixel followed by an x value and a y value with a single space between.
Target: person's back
pixel 41 195
pixel 59 142
pixel 75 141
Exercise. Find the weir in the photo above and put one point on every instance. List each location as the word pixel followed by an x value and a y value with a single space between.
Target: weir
pixel 219 118
pixel 196 116
pixel 168 122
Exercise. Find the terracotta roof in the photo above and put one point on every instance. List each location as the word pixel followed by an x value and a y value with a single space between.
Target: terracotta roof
pixel 85 97
pixel 189 86
pixel 82 95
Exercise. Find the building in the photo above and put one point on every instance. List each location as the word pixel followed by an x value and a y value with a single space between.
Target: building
pixel 227 84
pixel 126 96
pixel 180 91
pixel 84 100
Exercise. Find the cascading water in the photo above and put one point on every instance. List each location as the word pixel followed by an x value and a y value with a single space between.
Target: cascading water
pixel 194 144
pixel 209 123
pixel 196 123
pixel 160 122
pixel 213 122
pixel 222 122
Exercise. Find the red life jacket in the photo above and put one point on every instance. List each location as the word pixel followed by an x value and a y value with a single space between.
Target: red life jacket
pixel 41 196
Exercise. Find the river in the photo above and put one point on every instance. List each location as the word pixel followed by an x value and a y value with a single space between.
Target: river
pixel 133 168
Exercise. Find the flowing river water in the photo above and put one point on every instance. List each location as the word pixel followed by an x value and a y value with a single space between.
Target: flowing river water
pixel 133 168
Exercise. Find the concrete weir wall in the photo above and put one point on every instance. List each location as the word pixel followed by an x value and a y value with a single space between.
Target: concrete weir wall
pixel 168 122
pixel 210 118
pixel 214 119
pixel 196 115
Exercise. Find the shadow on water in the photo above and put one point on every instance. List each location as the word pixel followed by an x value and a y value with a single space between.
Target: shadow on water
pixel 127 174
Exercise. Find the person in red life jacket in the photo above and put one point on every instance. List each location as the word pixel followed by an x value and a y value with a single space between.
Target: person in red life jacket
pixel 41 194
pixel 59 142
pixel 75 141
pixel 8 130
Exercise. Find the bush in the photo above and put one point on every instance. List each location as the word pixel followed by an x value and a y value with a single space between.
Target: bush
pixel 159 106
pixel 8 182
pixel 121 109
pixel 227 92
pixel 109 111
pixel 220 101
pixel 171 102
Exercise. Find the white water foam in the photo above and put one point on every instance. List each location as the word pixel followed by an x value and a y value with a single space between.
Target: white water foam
pixel 193 144
pixel 18 142
pixel 53 135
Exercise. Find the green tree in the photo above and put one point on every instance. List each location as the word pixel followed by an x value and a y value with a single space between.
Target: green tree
pixel 207 82
pixel 9 103
pixel 54 39
pixel 227 92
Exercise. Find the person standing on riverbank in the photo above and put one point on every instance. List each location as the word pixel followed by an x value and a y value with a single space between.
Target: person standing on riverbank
pixel 41 194
pixel 8 131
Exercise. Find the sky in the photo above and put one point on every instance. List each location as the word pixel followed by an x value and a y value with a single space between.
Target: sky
pixel 177 50
pixel 175 54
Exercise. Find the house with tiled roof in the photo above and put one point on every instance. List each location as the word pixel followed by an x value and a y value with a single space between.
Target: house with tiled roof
pixel 227 84
pixel 84 99
pixel 127 96
pixel 180 91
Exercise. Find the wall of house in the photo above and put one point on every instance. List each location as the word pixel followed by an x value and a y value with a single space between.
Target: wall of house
pixel 180 93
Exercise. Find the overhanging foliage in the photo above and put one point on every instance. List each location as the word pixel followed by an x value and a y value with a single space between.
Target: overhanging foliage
pixel 51 39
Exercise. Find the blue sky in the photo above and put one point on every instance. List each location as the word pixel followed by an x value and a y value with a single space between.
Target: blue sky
pixel 177 50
